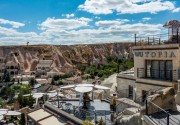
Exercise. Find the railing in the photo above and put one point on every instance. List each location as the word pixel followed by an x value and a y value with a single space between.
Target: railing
pixel 160 116
pixel 169 75
pixel 157 39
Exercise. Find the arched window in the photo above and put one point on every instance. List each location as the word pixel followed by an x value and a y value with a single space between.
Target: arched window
pixel 12 73
pixel 12 67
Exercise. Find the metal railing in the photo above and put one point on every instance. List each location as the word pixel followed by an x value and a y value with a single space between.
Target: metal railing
pixel 157 39
pixel 160 116
pixel 169 75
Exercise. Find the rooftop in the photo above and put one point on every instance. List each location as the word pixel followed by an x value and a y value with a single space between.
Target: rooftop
pixel 39 114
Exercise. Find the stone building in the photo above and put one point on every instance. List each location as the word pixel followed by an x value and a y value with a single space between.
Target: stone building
pixel 43 67
pixel 2 67
pixel 156 65
pixel 12 67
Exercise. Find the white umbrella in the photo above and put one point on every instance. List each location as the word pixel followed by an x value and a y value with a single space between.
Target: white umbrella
pixel 67 87
pixel 84 85
pixel 37 95
pixel 101 87
pixel 13 113
pixel 83 89
pixel 1 117
pixel 3 111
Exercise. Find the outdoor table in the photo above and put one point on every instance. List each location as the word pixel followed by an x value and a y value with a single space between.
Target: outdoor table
pixel 68 106
pixel 61 104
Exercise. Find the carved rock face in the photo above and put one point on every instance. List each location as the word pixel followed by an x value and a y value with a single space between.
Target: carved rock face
pixel 65 56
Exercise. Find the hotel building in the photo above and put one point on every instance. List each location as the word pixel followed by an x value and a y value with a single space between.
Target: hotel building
pixel 156 64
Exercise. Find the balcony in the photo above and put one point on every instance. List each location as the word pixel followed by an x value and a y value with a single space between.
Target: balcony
pixel 165 75
pixel 157 39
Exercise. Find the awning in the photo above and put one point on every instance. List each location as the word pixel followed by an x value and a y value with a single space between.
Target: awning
pixel 101 87
pixel 83 89
pixel 3 111
pixel 13 113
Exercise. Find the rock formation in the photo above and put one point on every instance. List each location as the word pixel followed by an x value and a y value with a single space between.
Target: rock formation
pixel 64 55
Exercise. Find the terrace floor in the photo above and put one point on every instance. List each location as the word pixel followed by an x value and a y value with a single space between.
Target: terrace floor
pixel 96 109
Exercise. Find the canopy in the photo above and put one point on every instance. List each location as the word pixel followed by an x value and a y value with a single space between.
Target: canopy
pixel 3 111
pixel 83 89
pixel 1 117
pixel 38 95
pixel 13 113
pixel 84 85
pixel 101 87
pixel 67 87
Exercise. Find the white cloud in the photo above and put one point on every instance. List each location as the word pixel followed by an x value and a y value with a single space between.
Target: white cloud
pixel 12 23
pixel 77 31
pixel 146 19
pixel 176 10
pixel 111 22
pixel 62 24
pixel 69 15
pixel 126 6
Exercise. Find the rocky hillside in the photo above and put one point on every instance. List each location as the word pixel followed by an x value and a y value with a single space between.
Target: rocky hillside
pixel 63 55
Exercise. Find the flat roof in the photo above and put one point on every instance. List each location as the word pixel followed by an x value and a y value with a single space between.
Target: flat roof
pixel 39 114
pixel 52 121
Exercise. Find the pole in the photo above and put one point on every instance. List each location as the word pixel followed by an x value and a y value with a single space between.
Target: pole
pixel 177 35
pixel 167 119
pixel 146 107
pixel 135 38
pixel 58 98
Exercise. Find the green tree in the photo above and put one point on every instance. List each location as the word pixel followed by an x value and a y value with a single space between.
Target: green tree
pixel 52 82
pixel 56 77
pixel 60 83
pixel 22 120
pixel 30 101
pixel 32 82
pixel 20 99
pixel 2 103
pixel 6 76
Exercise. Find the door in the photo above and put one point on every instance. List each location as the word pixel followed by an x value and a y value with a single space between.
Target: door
pixel 155 69
pixel 169 72
pixel 144 95
pixel 130 91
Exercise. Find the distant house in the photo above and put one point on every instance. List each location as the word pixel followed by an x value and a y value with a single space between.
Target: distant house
pixel 2 67
pixel 54 72
pixel 43 67
pixel 47 87
pixel 72 80
pixel 12 67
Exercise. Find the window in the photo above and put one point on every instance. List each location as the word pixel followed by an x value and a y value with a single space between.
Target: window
pixel 130 91
pixel 159 69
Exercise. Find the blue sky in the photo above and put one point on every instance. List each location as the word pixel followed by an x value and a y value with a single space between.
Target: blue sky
pixel 82 21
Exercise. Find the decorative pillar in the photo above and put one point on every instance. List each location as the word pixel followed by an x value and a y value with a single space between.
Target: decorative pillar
pixel 177 96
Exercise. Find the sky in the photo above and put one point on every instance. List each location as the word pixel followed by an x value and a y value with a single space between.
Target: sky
pixel 68 22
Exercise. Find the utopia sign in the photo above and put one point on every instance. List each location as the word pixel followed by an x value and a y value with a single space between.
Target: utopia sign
pixel 159 54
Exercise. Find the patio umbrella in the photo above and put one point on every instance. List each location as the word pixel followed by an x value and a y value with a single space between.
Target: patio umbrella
pixel 1 117
pixel 83 89
pixel 84 85
pixel 3 111
pixel 12 113
pixel 101 87
pixel 67 87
